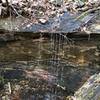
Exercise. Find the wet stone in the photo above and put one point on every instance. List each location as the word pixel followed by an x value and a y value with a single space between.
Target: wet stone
pixel 64 23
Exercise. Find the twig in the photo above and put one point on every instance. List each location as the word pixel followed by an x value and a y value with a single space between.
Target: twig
pixel 9 87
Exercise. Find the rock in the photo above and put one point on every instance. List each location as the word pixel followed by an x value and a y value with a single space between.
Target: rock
pixel 43 21
pixel 78 3
pixel 17 87
pixel 63 23
pixel 6 97
pixel 12 1
pixel 94 1
pixel 57 2
pixel 6 37
pixel 90 90
pixel 3 1
pixel 94 26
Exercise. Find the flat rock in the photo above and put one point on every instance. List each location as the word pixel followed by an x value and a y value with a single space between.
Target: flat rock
pixel 61 23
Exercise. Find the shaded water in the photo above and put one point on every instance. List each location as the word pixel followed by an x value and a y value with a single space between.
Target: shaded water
pixel 50 68
pixel 80 52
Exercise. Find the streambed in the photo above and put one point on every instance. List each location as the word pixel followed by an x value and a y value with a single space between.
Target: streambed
pixel 48 68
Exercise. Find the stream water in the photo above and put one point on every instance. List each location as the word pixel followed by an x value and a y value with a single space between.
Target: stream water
pixel 51 68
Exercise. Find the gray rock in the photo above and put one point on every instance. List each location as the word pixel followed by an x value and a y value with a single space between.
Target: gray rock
pixel 57 2
pixel 62 23
pixel 90 90
pixel 65 23
pixel 94 1
pixel 94 27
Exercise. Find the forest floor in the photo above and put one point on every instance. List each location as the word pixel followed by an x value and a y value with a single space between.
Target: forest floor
pixel 37 9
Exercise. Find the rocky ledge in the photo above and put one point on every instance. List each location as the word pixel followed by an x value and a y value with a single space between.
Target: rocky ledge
pixel 64 23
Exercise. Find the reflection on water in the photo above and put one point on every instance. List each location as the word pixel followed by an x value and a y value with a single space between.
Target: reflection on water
pixel 79 53
pixel 53 68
